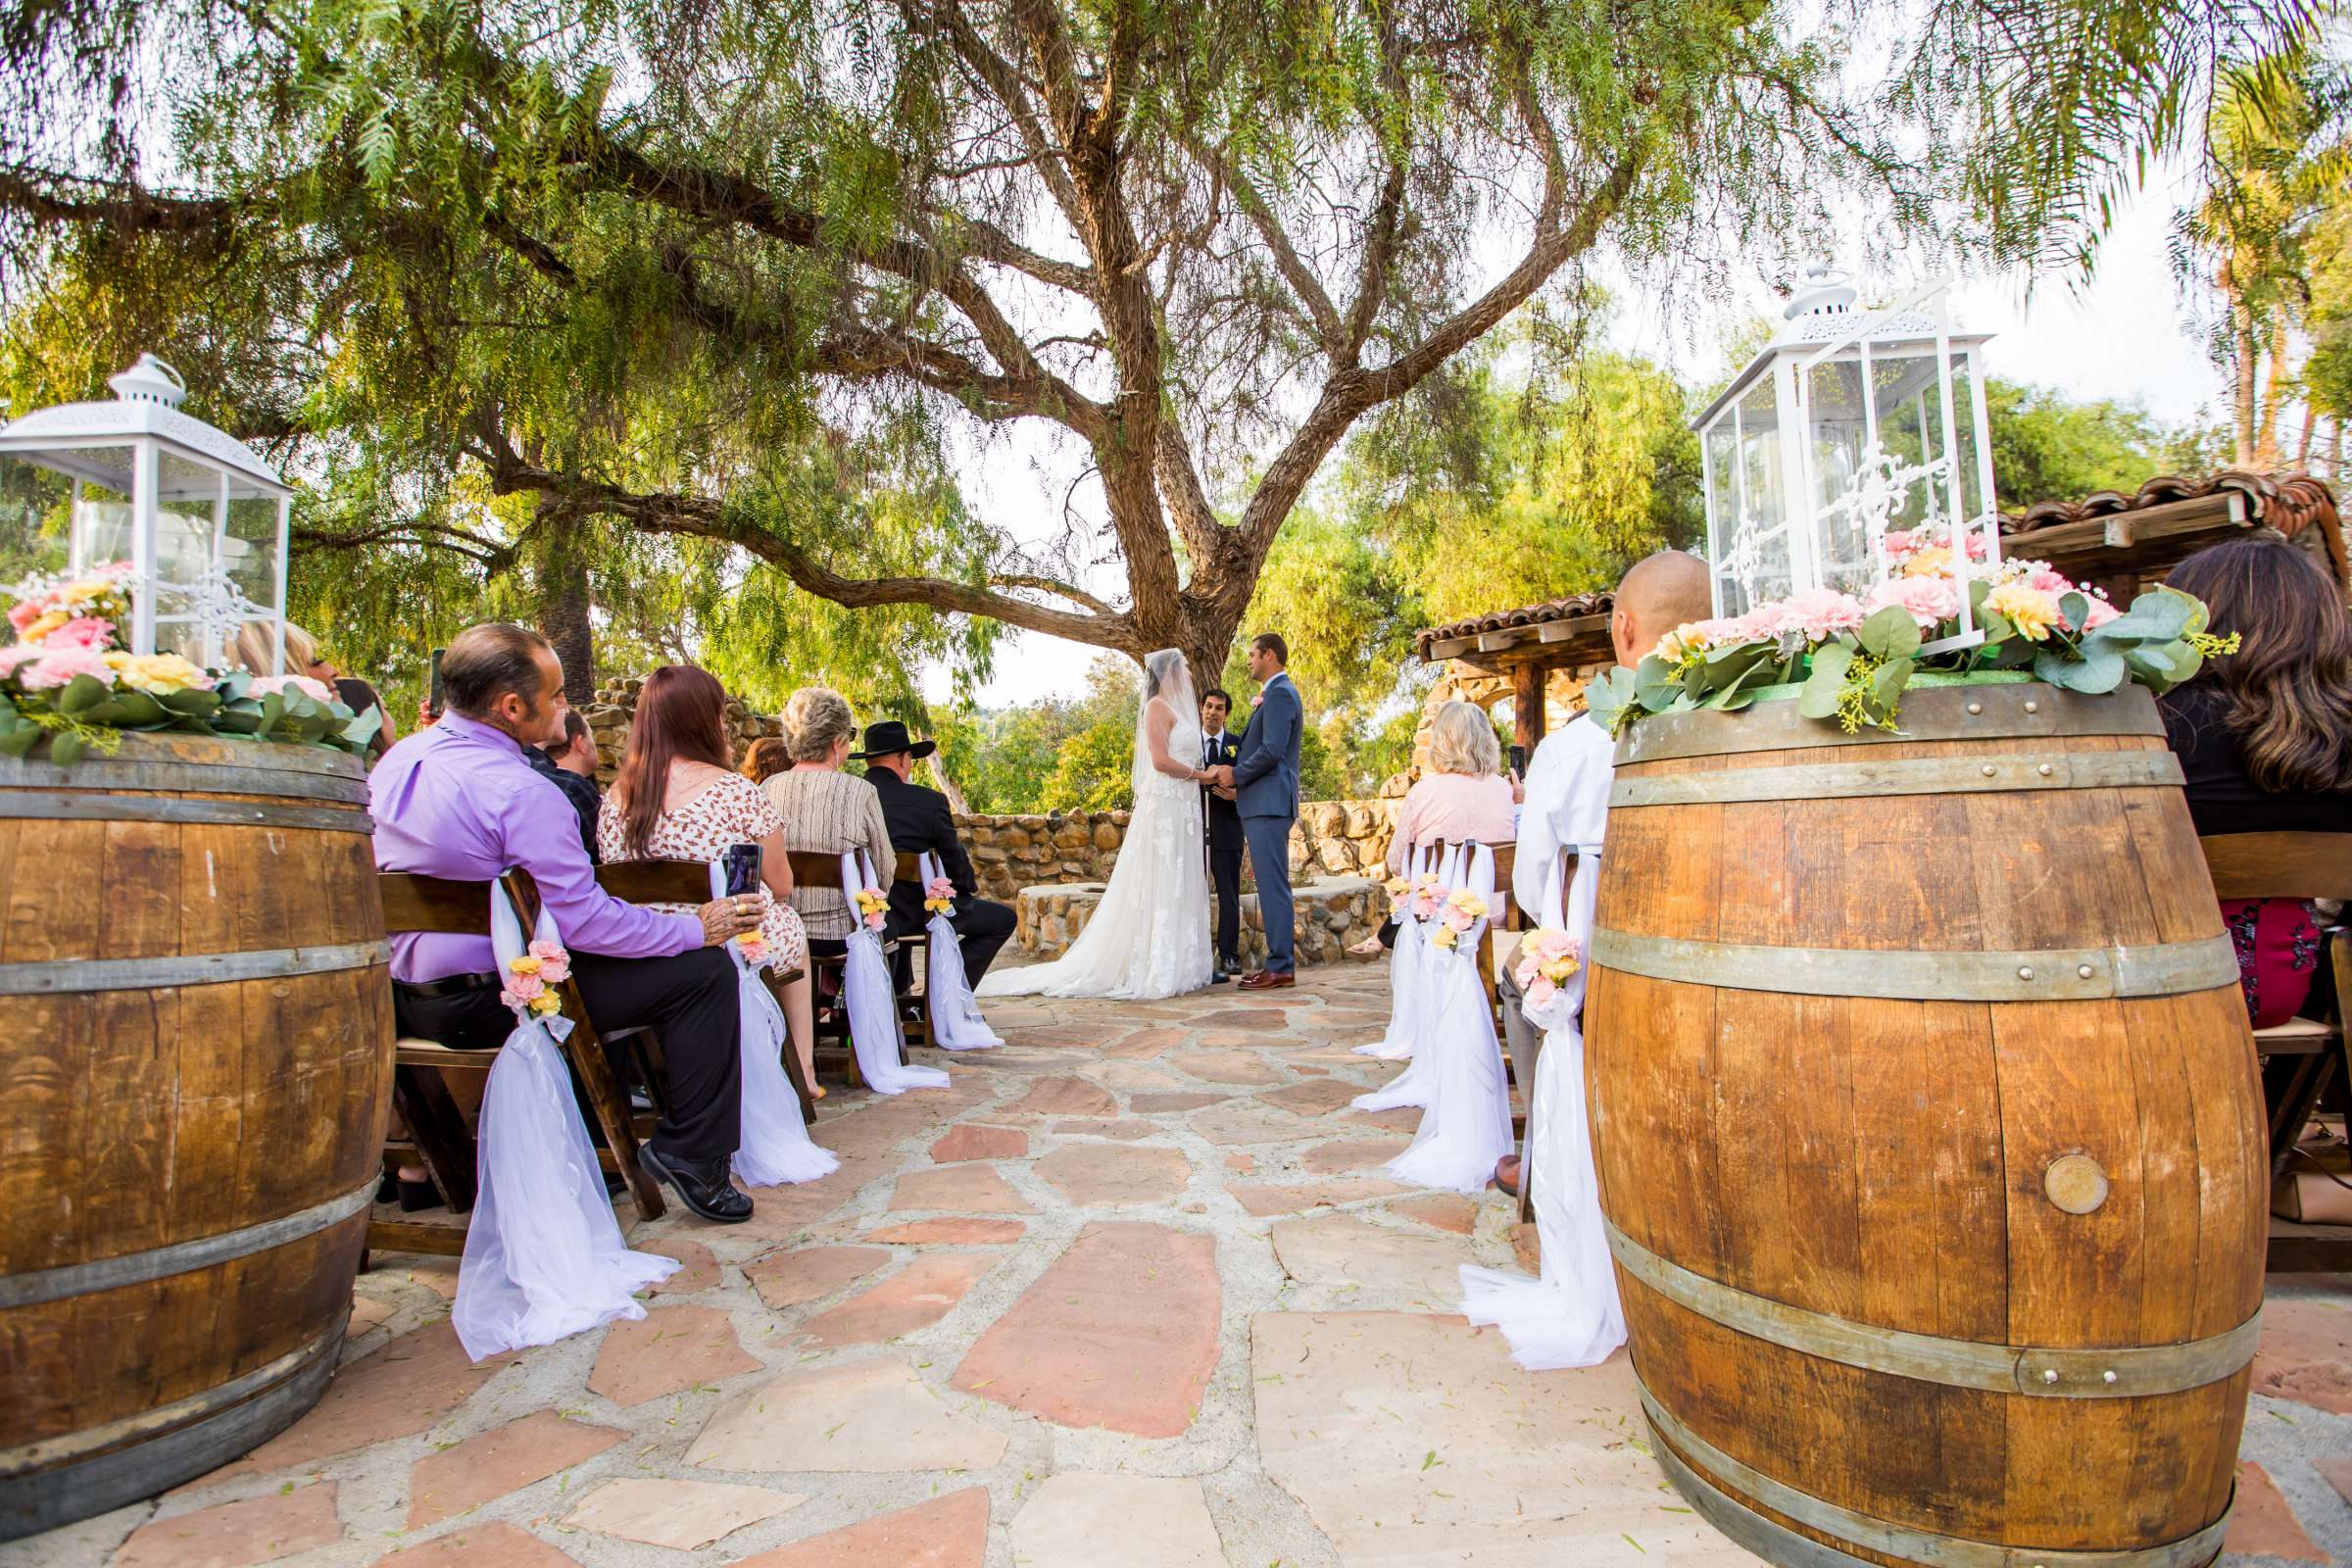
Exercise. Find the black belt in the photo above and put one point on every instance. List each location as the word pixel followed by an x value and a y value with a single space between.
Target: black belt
pixel 450 985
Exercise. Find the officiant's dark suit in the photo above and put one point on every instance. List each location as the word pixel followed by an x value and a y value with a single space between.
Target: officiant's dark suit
pixel 920 822
pixel 1224 749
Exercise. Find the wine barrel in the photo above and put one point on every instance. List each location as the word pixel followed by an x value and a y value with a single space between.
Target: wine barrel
pixel 195 1068
pixel 1927 1131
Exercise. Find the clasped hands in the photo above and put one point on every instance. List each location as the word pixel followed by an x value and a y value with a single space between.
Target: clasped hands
pixel 1219 777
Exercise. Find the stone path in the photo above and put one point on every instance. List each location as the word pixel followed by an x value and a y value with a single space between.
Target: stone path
pixel 1129 1292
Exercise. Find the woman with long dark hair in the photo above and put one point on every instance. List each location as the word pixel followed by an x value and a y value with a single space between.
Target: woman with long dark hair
pixel 675 799
pixel 2265 739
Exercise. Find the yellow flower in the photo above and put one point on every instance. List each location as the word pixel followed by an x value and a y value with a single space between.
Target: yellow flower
pixel 2031 611
pixel 156 675
pixel 526 965
pixel 1444 936
pixel 547 1003
pixel 1934 562
pixel 47 622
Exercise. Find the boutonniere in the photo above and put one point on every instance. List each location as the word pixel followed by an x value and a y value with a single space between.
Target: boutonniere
pixel 1258 700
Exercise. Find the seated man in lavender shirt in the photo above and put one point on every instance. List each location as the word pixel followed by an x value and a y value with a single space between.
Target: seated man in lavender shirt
pixel 459 801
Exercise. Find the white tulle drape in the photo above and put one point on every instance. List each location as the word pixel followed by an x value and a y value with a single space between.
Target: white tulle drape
pixel 870 997
pixel 1405 969
pixel 773 1148
pixel 1149 936
pixel 1571 1315
pixel 1466 1125
pixel 1409 1018
pixel 544 1256
pixel 955 1021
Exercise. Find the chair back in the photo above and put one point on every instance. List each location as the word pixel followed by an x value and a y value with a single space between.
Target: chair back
pixel 2279 865
pixel 657 881
pixel 813 868
pixel 909 868
pixel 442 906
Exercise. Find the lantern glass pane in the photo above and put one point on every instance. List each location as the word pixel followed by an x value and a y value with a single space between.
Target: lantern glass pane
pixel 1760 554
pixel 36 517
pixel 1723 509
pixel 1973 498
pixel 1909 403
pixel 249 553
pixel 187 497
pixel 1835 439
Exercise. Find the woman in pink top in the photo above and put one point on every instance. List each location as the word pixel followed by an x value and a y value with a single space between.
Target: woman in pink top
pixel 1464 795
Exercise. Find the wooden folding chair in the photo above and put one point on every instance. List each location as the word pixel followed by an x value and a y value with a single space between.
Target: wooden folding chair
pixel 440 1137
pixel 1523 920
pixel 917 945
pixel 689 882
pixel 817 868
pixel 2296 866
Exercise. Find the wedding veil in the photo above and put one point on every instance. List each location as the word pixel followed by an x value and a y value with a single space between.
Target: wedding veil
pixel 1165 674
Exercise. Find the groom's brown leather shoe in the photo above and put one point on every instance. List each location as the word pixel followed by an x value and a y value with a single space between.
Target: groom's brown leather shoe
pixel 1268 980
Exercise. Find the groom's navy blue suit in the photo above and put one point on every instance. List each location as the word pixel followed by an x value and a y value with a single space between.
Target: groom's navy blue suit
pixel 1265 780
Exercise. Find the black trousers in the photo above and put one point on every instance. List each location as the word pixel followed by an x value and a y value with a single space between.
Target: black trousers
pixel 1225 875
pixel 690 1001
pixel 982 928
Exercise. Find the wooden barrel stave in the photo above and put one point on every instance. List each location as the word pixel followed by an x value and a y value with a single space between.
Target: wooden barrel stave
pixel 1892 1172
pixel 143 1122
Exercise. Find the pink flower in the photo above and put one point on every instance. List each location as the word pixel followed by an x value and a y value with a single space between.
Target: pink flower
pixel 876 919
pixel 2101 613
pixel 2040 575
pixel 1931 601
pixel 316 690
pixel 57 666
pixel 1458 919
pixel 25 612
pixel 1539 991
pixel 525 986
pixel 16 654
pixel 555 964
pixel 84 631
pixel 1898 542
pixel 939 887
pixel 1823 612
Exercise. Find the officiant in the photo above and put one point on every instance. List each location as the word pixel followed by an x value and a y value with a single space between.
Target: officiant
pixel 1220 747
pixel 919 822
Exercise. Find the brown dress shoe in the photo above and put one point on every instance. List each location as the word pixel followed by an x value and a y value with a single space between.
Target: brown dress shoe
pixel 1268 980
pixel 1506 1174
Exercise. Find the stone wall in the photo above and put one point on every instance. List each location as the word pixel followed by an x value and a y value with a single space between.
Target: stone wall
pixel 615 705
pixel 1331 914
pixel 1011 853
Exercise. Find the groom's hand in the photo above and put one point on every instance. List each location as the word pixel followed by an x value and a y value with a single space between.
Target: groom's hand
pixel 1221 776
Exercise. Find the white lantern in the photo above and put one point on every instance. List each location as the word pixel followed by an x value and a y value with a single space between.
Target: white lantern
pixel 198 516
pixel 1847 425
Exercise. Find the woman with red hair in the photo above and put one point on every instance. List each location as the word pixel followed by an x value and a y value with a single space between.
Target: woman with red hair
pixel 676 800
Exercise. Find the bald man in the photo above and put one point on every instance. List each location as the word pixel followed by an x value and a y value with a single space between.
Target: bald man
pixel 1568 787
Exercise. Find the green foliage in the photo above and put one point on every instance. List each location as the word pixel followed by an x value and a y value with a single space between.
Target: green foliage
pixel 1093 769
pixel 86 714
pixel 2049 447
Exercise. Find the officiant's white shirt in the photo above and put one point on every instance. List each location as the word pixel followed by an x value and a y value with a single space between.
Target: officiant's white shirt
pixel 1567 806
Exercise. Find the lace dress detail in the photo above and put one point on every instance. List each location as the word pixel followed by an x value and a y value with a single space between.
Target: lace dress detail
pixel 730 812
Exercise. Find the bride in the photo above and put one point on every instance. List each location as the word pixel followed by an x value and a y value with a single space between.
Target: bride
pixel 1149 936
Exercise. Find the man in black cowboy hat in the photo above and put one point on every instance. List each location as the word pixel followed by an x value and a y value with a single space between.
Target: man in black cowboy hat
pixel 920 822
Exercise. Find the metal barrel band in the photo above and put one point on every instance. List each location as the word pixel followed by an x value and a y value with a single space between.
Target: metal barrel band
pixel 2025 974
pixel 1919 775
pixel 72 976
pixel 123 776
pixel 2044 1372
pixel 203 1251
pixel 1775 1541
pixel 1936 714
pixel 141 1455
pixel 64 805
pixel 48 1452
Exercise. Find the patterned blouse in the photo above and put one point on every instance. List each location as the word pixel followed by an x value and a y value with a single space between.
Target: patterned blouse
pixel 728 812
pixel 829 811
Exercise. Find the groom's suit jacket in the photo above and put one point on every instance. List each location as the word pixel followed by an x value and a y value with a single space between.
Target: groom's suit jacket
pixel 1266 775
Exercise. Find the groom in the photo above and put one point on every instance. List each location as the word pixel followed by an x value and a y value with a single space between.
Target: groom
pixel 1265 777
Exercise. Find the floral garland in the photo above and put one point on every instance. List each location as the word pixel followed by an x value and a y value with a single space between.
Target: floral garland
pixel 531 979
pixel 1855 655
pixel 1463 909
pixel 939 896
pixel 68 676
pixel 1417 896
pixel 874 906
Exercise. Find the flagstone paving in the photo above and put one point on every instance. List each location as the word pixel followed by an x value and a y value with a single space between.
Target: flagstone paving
pixel 1131 1290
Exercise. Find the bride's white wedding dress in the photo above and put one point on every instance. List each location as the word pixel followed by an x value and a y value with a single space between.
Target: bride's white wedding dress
pixel 1149 936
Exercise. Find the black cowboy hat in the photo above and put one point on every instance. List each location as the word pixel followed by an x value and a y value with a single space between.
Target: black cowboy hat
pixel 888 739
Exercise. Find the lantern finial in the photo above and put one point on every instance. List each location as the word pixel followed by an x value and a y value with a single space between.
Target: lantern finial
pixel 1824 290
pixel 149 380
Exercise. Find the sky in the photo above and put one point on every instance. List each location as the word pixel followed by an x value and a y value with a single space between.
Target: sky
pixel 2125 336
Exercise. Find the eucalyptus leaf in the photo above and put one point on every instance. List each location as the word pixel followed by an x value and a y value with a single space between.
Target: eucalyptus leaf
pixel 67 750
pixel 1888 681
pixel 2099 669
pixel 2074 609
pixel 1654 685
pixel 1819 698
pixel 20 740
pixel 81 693
pixel 1890 633
pixel 193 702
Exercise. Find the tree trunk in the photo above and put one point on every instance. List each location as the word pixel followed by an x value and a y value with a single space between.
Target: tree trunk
pixel 2242 338
pixel 2266 438
pixel 561 578
pixel 2303 443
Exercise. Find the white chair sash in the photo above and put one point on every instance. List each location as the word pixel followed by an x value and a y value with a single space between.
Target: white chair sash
pixel 772 1148
pixel 1414 977
pixel 869 997
pixel 1405 969
pixel 544 1256
pixel 956 1020
pixel 1466 1123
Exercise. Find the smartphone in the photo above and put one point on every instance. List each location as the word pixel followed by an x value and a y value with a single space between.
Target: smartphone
pixel 1519 760
pixel 743 868
pixel 435 703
